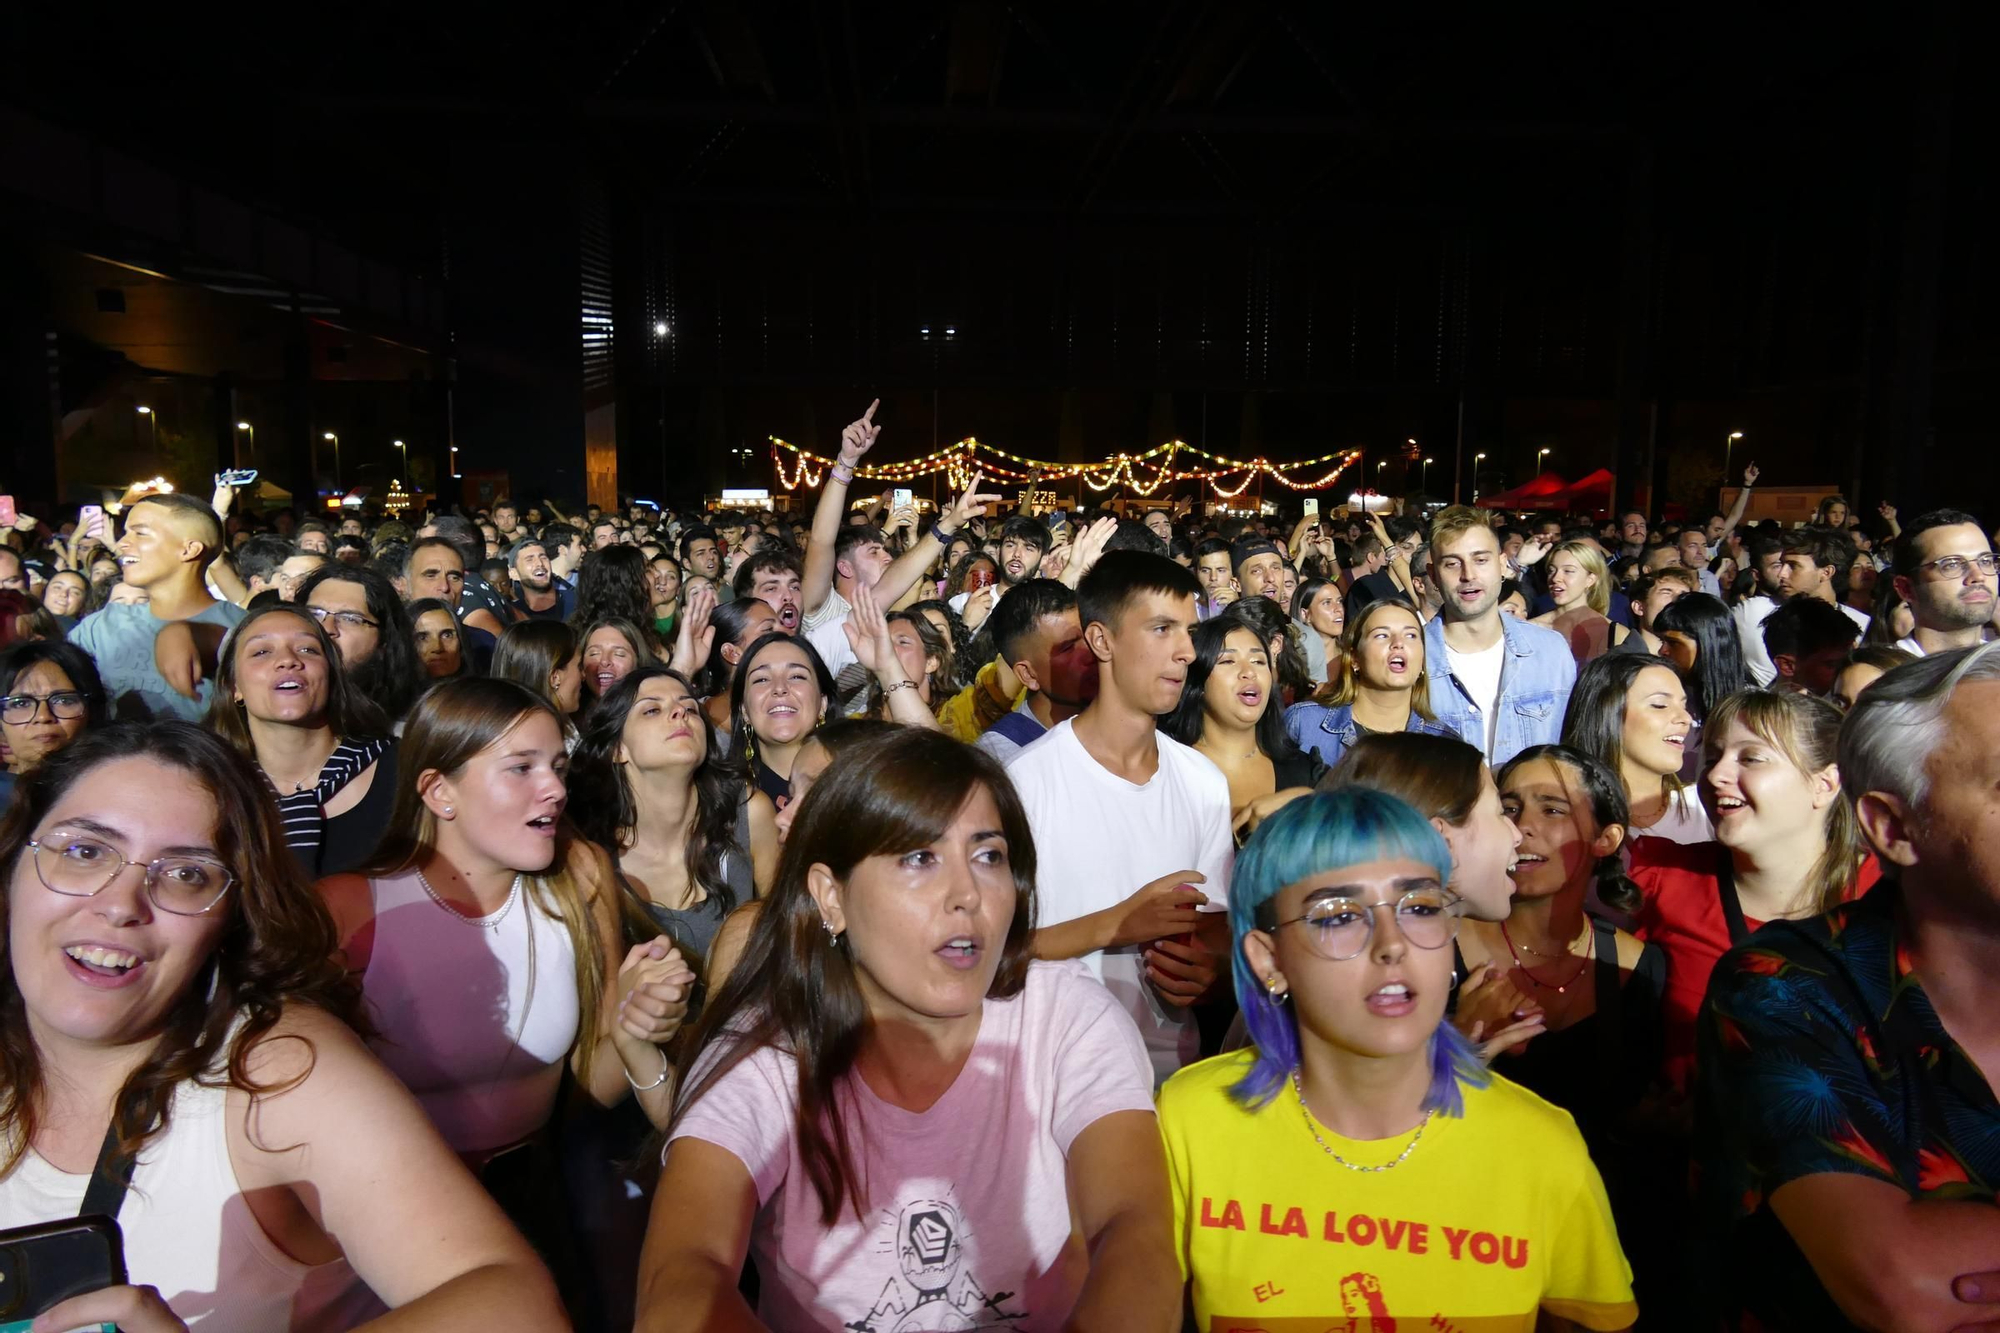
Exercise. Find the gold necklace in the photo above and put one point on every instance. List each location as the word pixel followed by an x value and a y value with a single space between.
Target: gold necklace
pixel 1327 1148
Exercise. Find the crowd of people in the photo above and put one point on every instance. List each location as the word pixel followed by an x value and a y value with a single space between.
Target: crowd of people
pixel 664 919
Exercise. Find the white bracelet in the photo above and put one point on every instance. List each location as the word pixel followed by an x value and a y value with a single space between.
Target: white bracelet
pixel 666 1068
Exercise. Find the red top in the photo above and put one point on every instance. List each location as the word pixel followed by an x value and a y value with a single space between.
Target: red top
pixel 1682 914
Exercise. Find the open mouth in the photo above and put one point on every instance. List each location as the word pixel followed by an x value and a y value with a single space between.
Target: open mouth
pixel 1393 999
pixel 961 952
pixel 289 686
pixel 1525 861
pixel 1250 696
pixel 1679 742
pixel 100 963
pixel 544 825
pixel 1398 663
pixel 1729 805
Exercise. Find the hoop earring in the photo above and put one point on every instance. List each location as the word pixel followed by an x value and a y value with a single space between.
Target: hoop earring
pixel 1279 994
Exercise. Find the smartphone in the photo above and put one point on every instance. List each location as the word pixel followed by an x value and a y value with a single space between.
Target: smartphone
pixel 237 477
pixel 91 519
pixel 1312 506
pixel 7 511
pixel 901 498
pixel 42 1266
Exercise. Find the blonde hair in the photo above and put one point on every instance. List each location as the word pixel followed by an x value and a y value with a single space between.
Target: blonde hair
pixel 1599 596
pixel 1806 730
pixel 1454 521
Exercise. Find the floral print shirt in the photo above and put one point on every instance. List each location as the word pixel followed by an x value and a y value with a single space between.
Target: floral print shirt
pixel 1819 1051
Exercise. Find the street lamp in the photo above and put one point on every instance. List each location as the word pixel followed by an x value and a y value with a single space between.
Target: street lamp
pixel 246 426
pixel 660 329
pixel 406 455
pixel 153 419
pixel 330 435
pixel 1729 447
pixel 1539 457
pixel 1424 477
pixel 1477 459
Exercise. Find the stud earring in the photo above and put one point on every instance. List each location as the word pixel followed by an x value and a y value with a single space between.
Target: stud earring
pixel 448 812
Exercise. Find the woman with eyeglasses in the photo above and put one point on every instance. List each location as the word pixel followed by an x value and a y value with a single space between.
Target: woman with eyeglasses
pixel 173 1009
pixel 361 613
pixel 49 695
pixel 283 699
pixel 1320 1175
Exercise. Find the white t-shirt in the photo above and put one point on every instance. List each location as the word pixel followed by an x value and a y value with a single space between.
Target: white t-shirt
pixel 823 630
pixel 1912 647
pixel 1480 674
pixel 1099 839
pixel 966 1219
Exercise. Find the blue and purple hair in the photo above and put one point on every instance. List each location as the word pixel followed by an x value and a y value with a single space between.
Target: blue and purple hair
pixel 1314 834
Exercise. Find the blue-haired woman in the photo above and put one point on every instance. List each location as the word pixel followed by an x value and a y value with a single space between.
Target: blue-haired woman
pixel 1356 1165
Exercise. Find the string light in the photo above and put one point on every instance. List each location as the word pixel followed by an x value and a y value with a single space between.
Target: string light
pixel 960 461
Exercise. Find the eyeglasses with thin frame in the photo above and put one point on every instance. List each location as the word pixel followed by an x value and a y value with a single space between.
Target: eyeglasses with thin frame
pixel 64 705
pixel 343 619
pixel 1955 566
pixel 78 866
pixel 1338 929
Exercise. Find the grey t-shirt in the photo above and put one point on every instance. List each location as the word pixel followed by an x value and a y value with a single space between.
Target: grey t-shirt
pixel 120 639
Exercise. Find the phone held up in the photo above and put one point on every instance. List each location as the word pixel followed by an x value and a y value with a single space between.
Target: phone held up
pixel 42 1266
pixel 91 519
pixel 8 514
pixel 237 478
pixel 1312 506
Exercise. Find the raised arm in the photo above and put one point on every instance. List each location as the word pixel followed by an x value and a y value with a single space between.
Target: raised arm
pixel 911 564
pixel 1742 505
pixel 868 633
pixel 817 579
pixel 1118 1184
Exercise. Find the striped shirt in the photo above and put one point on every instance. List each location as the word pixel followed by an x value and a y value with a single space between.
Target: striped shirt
pixel 303 812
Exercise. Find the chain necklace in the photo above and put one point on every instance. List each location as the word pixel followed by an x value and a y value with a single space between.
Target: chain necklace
pixel 1569 950
pixel 1589 948
pixel 1325 1147
pixel 487 922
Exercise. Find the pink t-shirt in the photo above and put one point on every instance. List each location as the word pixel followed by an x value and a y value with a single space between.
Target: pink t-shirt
pixel 967 1223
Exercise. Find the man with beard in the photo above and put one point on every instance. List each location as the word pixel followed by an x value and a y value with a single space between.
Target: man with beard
pixel 702 555
pixel 507 522
pixel 1502 684
pixel 1038 635
pixel 539 594
pixel 773 576
pixel 1945 571
pixel 1260 567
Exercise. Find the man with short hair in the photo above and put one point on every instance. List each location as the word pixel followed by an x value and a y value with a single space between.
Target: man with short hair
pixel 773 576
pixel 1369 579
pixel 1127 821
pixel 538 594
pixel 1804 562
pixel 604 532
pixel 257 563
pixel 1806 639
pixel 1692 546
pixel 479 606
pixel 1037 633
pixel 433 568
pixel 168 541
pixel 1632 531
pixel 1501 683
pixel 507 522
pixel 314 536
pixel 1654 593
pixel 564 543
pixel 700 554
pixel 1214 570
pixel 1845 1112
pixel 1160 525
pixel 1945 571
pixel 297 568
pixel 1658 556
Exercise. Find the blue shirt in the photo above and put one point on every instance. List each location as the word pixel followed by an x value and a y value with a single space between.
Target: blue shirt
pixel 119 637
pixel 1536 674
pixel 1328 732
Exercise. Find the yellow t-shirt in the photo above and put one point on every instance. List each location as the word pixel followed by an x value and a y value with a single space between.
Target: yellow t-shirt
pixel 1491 1218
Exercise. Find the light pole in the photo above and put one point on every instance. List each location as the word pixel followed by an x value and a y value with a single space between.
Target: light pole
pixel 1424 477
pixel 331 435
pixel 246 426
pixel 1729 447
pixel 1477 459
pixel 152 419
pixel 406 456
pixel 1539 457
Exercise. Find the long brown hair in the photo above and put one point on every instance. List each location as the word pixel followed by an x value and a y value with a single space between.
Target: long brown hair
pixel 276 949
pixel 450 725
pixel 1343 684
pixel 796 992
pixel 1806 730
pixel 347 712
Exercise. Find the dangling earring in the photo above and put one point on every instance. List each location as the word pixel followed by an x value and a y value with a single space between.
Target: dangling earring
pixel 832 935
pixel 749 743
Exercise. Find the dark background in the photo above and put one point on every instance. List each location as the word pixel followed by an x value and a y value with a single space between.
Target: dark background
pixel 1267 228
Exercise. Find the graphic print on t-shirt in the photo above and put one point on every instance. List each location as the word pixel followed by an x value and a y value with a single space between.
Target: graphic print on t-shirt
pixel 931 1292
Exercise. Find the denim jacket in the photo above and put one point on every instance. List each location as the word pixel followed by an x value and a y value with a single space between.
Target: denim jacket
pixel 1535 680
pixel 1327 732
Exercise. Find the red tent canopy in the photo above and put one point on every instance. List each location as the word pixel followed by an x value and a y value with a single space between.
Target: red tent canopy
pixel 1537 494
pixel 1591 494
